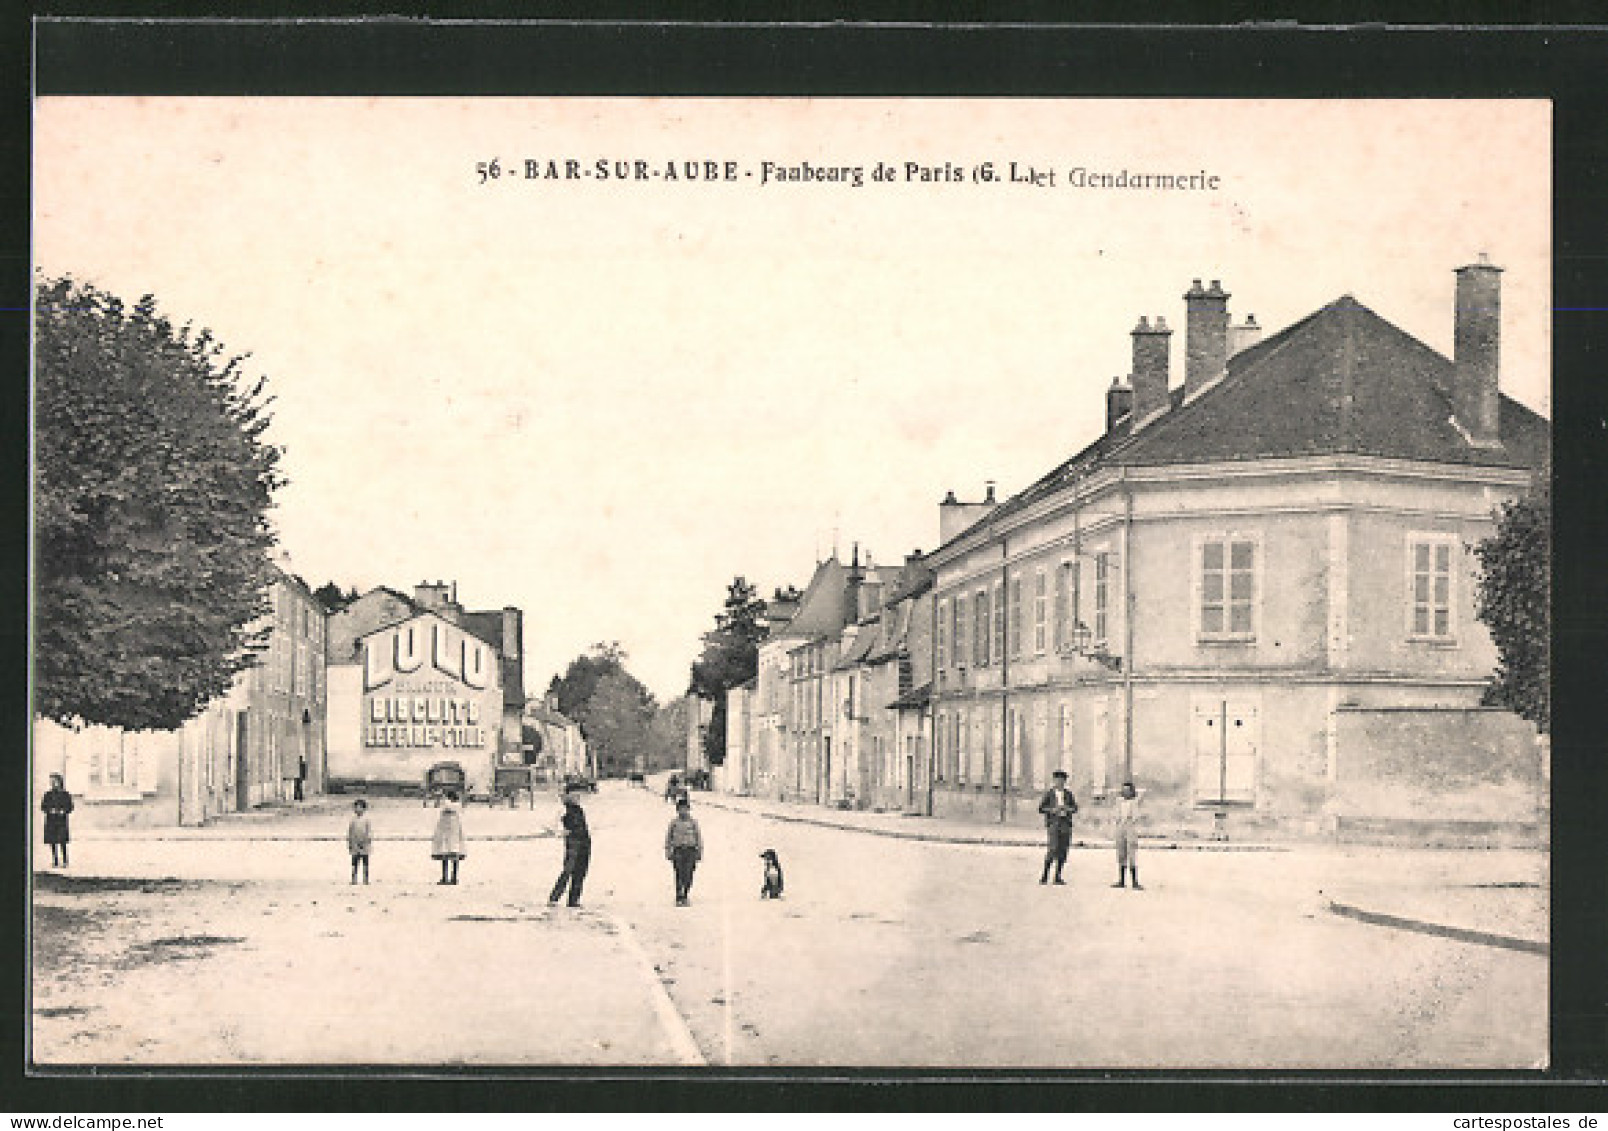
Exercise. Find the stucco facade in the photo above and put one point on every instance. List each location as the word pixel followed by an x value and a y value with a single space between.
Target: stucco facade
pixel 1198 599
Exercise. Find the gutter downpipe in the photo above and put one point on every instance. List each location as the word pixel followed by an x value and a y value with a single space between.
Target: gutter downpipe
pixel 1003 634
pixel 932 699
pixel 1127 629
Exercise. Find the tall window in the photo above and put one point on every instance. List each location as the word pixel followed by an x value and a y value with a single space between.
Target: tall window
pixel 1102 577
pixel 1016 616
pixel 940 737
pixel 960 632
pixel 1061 633
pixel 943 635
pixel 1430 586
pixel 1228 588
pixel 980 634
pixel 998 651
pixel 962 746
pixel 1039 603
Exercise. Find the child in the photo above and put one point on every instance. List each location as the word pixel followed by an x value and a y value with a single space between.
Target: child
pixel 359 838
pixel 57 804
pixel 447 845
pixel 1126 836
pixel 683 847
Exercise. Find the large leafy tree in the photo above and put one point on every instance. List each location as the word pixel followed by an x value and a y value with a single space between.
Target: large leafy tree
pixel 614 709
pixel 730 658
pixel 152 483
pixel 1515 602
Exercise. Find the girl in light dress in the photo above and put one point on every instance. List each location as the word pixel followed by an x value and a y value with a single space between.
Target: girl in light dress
pixel 447 844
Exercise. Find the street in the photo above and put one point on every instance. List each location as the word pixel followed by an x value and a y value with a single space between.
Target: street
pixel 244 944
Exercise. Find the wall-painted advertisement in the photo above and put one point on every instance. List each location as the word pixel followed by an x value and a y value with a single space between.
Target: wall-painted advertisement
pixel 425 692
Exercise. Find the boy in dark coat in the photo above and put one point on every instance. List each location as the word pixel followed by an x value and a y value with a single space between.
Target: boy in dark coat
pixel 577 853
pixel 1057 805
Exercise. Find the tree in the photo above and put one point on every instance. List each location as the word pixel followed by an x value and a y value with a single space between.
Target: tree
pixel 152 485
pixel 330 596
pixel 730 658
pixel 1514 601
pixel 613 708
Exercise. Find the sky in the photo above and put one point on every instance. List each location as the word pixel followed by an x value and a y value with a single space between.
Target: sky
pixel 599 400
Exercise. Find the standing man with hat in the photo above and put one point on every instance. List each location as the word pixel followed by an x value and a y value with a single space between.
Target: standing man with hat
pixel 1057 805
pixel 577 853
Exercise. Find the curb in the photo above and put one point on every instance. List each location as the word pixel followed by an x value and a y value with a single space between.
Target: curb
pixel 1018 841
pixel 1460 934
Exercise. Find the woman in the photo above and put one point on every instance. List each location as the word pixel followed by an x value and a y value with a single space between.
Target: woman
pixel 57 804
pixel 447 844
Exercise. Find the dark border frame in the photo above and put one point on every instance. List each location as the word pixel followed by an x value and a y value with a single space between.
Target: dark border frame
pixel 579 53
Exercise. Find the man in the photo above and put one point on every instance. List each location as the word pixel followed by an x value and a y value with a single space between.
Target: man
pixel 301 776
pixel 577 853
pixel 1057 805
pixel 683 847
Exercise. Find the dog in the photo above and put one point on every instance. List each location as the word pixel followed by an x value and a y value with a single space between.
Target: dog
pixel 773 875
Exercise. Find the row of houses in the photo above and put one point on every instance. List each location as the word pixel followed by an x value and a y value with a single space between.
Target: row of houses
pixel 1253 594
pixel 363 699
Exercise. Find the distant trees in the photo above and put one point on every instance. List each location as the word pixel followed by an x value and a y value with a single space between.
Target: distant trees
pixel 613 708
pixel 152 485
pixel 730 658
pixel 1514 601
pixel 330 596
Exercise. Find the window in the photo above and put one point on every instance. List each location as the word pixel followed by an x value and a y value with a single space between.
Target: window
pixel 1227 588
pixel 1430 586
pixel 1016 616
pixel 960 632
pixel 980 633
pixel 1039 634
pixel 1061 636
pixel 963 746
pixel 997 651
pixel 1102 576
pixel 940 739
pixel 943 635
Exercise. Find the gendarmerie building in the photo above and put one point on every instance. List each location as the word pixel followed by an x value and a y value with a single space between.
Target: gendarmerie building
pixel 1253 594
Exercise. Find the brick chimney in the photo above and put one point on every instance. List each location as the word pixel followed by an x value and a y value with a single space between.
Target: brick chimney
pixel 1152 346
pixel 1477 340
pixel 1205 338
pixel 955 516
pixel 1243 336
pixel 433 595
pixel 1119 402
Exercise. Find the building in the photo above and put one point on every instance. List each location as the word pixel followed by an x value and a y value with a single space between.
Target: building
pixel 1253 594
pixel 796 665
pixel 420 680
pixel 553 743
pixel 243 751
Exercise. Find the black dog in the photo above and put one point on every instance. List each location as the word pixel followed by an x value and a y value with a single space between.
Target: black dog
pixel 773 875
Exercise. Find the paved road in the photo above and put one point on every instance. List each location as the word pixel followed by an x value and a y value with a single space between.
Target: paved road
pixel 885 952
